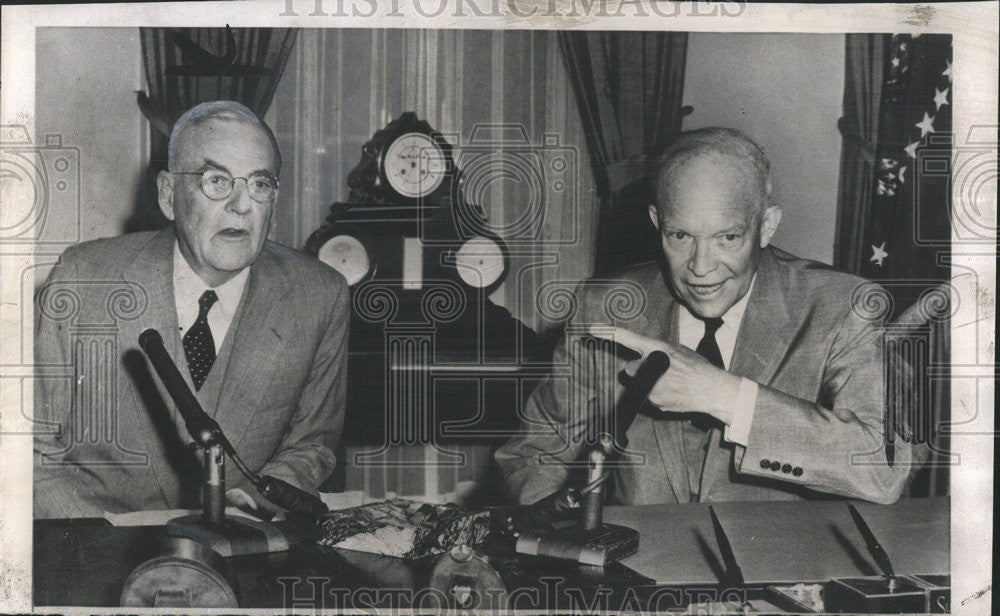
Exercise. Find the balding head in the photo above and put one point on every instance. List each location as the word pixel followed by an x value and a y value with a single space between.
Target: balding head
pixel 734 156
pixel 222 110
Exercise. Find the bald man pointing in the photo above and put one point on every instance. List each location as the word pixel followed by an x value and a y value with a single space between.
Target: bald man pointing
pixel 775 387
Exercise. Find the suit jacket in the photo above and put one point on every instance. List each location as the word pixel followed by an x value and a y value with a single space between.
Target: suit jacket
pixel 108 436
pixel 809 337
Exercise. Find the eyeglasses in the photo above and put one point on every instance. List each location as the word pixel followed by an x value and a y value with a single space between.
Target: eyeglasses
pixel 218 185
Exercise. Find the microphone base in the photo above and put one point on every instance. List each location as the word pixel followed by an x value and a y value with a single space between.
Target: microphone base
pixel 234 536
pixel 598 547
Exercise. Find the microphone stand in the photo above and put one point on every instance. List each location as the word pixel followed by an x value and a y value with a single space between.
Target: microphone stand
pixel 591 541
pixel 229 536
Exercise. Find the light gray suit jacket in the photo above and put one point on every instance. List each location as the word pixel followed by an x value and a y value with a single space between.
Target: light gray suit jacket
pixel 809 337
pixel 108 436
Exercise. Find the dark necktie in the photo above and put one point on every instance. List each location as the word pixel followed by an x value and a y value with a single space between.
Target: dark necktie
pixel 199 346
pixel 709 349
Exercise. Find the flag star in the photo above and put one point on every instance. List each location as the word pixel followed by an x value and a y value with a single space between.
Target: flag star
pixel 947 71
pixel 911 150
pixel 902 46
pixel 878 254
pixel 895 62
pixel 917 35
pixel 940 98
pixel 926 125
pixel 902 170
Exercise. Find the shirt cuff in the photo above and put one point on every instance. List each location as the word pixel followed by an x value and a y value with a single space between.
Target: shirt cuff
pixel 738 431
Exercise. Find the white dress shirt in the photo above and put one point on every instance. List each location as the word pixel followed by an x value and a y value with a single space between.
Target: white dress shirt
pixel 188 287
pixel 690 332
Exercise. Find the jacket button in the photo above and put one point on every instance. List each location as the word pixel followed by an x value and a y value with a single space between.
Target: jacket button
pixel 765 464
pixel 797 471
pixel 787 468
pixel 775 465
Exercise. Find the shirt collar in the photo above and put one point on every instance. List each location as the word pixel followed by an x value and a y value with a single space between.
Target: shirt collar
pixel 188 286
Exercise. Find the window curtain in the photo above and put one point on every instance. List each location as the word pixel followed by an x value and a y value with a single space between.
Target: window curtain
pixel 628 88
pixel 187 66
pixel 894 222
pixel 493 94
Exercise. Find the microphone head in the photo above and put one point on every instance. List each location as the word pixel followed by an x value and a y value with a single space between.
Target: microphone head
pixel 149 335
pixel 658 362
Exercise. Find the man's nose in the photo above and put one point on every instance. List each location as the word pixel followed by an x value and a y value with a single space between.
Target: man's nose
pixel 701 261
pixel 239 200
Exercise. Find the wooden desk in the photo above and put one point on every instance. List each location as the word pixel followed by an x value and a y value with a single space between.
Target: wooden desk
pixel 85 562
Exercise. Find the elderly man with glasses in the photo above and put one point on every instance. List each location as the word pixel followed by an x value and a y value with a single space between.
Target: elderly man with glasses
pixel 258 331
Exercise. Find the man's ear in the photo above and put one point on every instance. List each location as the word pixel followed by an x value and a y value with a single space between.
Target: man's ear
pixel 769 224
pixel 654 215
pixel 165 193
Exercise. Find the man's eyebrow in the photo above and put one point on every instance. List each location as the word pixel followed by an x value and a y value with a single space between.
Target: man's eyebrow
pixel 211 163
pixel 208 162
pixel 734 229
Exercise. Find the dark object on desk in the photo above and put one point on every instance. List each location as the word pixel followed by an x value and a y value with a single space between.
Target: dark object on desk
pixel 734 574
pixel 874 548
pixel 187 574
pixel 403 529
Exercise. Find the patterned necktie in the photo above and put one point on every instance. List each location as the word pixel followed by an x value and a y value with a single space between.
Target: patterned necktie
pixel 709 349
pixel 199 347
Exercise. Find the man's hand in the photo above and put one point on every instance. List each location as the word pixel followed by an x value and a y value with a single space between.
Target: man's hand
pixel 692 384
pixel 236 497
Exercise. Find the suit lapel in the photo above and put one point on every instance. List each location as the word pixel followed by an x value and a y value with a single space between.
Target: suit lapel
pixel 259 335
pixel 762 343
pixel 667 432
pixel 152 273
pixel 765 334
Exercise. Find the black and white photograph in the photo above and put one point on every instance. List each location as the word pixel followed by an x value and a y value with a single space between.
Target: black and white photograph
pixel 539 306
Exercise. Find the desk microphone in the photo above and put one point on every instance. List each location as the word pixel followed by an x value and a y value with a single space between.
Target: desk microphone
pixel 203 429
pixel 636 391
pixel 206 432
pixel 591 541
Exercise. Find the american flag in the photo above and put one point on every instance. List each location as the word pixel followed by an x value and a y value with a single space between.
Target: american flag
pixel 908 230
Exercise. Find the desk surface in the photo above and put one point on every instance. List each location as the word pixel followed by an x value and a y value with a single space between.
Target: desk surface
pixel 86 562
pixel 786 541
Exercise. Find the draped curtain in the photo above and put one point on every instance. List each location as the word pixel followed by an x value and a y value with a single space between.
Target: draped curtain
pixel 865 58
pixel 493 94
pixel 894 216
pixel 187 66
pixel 628 88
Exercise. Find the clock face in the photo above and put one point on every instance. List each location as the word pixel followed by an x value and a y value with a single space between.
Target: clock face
pixel 414 165
pixel 348 256
pixel 480 262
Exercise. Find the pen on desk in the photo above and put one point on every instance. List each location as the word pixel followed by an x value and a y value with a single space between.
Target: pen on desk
pixel 874 548
pixel 733 571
